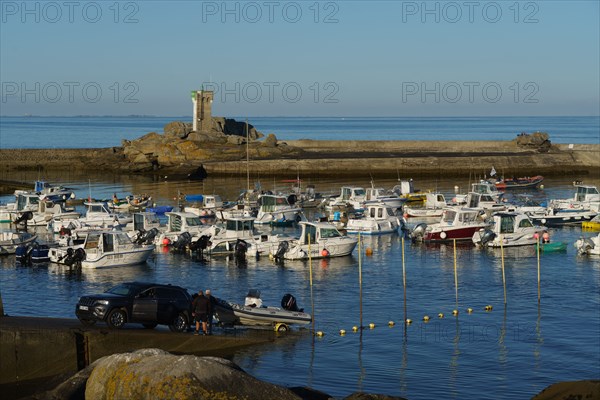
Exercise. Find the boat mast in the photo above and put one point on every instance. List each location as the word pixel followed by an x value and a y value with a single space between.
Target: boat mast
pixel 247 159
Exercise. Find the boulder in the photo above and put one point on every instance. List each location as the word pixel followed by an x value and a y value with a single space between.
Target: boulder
pixel 177 129
pixel 236 140
pixel 537 140
pixel 570 390
pixel 156 374
pixel 206 137
pixel 270 141
pixel 237 128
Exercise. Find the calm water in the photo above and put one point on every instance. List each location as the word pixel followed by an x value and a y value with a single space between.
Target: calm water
pixel 83 132
pixel 511 352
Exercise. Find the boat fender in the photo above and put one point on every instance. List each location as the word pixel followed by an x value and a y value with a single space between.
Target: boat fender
pixel 325 253
pixel 443 235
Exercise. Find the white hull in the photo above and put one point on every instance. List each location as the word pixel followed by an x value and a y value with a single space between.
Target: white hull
pixel 231 313
pixel 590 246
pixel 117 258
pixel 372 227
pixel 328 248
pixel 281 216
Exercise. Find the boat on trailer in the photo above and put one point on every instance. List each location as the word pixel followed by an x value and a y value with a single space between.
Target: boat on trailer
pixel 253 313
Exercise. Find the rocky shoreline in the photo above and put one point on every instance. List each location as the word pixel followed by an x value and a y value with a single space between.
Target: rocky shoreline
pixel 230 148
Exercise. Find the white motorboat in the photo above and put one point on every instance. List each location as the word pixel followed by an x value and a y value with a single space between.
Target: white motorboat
pixel 586 197
pixel 379 218
pixel 204 206
pixel 253 313
pixel 509 229
pixel 435 203
pixel 242 229
pixel 484 202
pixel 392 200
pixel 10 240
pixel 275 209
pixel 590 245
pixel 103 249
pixel 179 223
pixel 98 214
pixel 456 224
pixel 319 240
pixel 564 216
pixel 350 195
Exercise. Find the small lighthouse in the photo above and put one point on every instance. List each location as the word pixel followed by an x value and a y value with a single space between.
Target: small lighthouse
pixel 202 100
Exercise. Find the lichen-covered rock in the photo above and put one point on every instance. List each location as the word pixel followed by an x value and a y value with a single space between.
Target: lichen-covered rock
pixel 155 374
pixel 235 140
pixel 270 141
pixel 206 137
pixel 177 129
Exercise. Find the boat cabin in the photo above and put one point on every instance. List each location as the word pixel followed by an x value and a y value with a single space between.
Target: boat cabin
pixel 273 203
pixel 435 200
pixel 28 202
pixel 352 193
pixel 404 188
pixel 379 211
pixel 182 221
pixel 586 193
pixel 97 209
pixel 144 221
pixel 486 188
pixel 313 232
pixel 508 222
pixel 239 227
pixel 462 216
pixel 106 242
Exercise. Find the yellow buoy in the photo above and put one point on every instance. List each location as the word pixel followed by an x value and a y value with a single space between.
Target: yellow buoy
pixel 391 323
pixel 342 332
pixel 320 333
pixel 469 310
pixel 441 315
pixel 488 308
pixel 426 318
pixel 372 325
pixel 408 321
pixel 355 328
pixel 454 312
pixel 369 251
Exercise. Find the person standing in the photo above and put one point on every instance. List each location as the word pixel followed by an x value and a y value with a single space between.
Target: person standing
pixel 212 303
pixel 200 311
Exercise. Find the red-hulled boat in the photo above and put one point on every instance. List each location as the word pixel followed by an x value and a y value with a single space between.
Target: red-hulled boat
pixel 456 224
pixel 519 183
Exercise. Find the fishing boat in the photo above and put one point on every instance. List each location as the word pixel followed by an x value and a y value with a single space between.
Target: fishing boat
pixel 435 203
pixel 353 196
pixel 526 182
pixel 508 230
pixel 138 201
pixel 590 245
pixel 242 229
pixel 10 240
pixel 253 313
pixel 586 197
pixel 103 249
pixel 317 240
pixel 276 210
pixel 553 247
pixel 374 194
pixel 32 252
pixel 379 218
pixel 456 224
pixel 204 206
pixel 179 223
pixel 98 214
pixel 564 216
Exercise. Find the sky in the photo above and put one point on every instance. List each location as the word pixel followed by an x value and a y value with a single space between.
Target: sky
pixel 301 58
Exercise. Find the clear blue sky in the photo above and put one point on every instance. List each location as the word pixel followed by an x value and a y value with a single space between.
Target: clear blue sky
pixel 348 58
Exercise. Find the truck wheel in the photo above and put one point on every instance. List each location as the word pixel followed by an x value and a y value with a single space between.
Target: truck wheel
pixel 116 319
pixel 180 323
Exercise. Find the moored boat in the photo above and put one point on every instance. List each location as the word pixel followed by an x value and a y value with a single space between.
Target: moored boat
pixel 525 182
pixel 509 229
pixel 10 240
pixel 456 224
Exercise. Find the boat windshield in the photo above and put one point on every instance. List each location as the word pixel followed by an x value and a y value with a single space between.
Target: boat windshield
pixel 239 225
pixel 359 192
pixel 193 221
pixel 449 216
pixel 329 233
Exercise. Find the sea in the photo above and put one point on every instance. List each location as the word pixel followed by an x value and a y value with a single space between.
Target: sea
pixel 544 331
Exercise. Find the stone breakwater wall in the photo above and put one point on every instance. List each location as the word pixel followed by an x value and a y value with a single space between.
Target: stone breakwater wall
pixel 331 158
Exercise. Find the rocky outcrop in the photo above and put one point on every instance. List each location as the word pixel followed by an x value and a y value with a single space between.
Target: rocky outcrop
pixel 157 374
pixel 539 141
pixel 181 148
pixel 570 390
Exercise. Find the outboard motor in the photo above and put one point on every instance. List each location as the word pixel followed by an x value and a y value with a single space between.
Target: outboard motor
pixel 288 302
pixel 182 242
pixel 486 237
pixel 200 245
pixel 146 237
pixel 23 253
pixel 239 251
pixel 281 250
pixel 74 257
pixel 418 232
pixel 23 218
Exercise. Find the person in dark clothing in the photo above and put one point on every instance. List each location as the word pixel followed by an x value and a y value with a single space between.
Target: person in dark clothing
pixel 200 311
pixel 212 302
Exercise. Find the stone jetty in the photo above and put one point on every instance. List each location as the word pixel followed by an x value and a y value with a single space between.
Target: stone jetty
pixel 228 147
